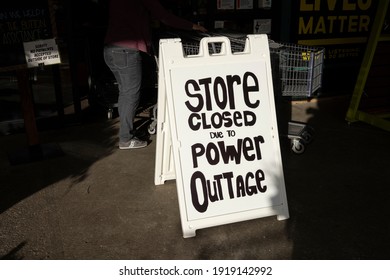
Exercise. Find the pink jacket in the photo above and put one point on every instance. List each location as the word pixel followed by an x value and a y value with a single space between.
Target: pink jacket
pixel 129 23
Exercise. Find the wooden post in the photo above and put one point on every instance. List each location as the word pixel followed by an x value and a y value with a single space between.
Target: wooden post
pixel 26 97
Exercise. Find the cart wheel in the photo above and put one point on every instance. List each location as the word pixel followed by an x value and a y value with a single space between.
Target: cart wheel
pixel 152 129
pixel 109 114
pixel 297 146
pixel 307 137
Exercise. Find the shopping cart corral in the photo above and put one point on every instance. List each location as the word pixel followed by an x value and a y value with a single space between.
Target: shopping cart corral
pixel 297 74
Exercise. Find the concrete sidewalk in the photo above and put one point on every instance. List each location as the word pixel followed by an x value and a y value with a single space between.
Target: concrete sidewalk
pixel 98 202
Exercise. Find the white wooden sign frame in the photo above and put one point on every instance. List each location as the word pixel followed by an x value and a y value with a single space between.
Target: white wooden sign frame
pixel 217 133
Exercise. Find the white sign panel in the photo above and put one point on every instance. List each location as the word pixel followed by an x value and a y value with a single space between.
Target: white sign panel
pixel 244 4
pixel 265 4
pixel 224 133
pixel 225 4
pixel 41 52
pixel 262 26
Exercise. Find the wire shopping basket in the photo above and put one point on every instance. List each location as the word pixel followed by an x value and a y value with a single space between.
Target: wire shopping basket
pixel 298 68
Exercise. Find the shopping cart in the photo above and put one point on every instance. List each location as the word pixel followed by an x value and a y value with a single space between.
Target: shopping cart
pixel 297 73
pixel 300 69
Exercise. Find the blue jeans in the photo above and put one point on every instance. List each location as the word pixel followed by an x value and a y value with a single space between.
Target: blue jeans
pixel 126 65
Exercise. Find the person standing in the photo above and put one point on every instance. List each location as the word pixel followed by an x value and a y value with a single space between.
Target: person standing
pixel 128 35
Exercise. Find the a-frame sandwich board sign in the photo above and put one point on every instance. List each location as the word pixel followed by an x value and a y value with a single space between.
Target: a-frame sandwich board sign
pixel 218 125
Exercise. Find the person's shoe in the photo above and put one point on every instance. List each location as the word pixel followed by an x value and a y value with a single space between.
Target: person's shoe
pixel 134 143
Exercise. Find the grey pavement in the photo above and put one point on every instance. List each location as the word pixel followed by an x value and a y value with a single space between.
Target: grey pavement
pixel 98 202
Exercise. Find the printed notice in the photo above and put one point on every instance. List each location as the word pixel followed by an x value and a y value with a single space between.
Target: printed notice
pixel 225 4
pixel 41 52
pixel 262 26
pixel 244 4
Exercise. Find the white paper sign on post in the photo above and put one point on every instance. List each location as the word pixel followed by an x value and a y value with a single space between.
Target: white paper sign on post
pixel 41 52
pixel 223 132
